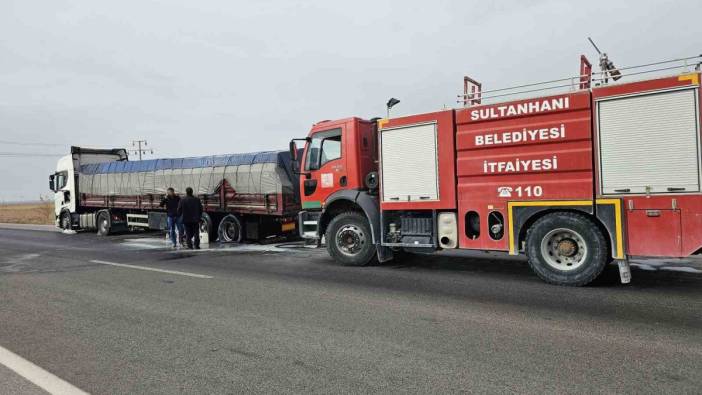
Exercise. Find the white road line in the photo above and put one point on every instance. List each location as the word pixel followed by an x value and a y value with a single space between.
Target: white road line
pixel 36 375
pixel 151 269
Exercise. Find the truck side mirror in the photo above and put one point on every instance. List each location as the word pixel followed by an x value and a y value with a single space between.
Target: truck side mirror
pixel 293 151
pixel 295 156
pixel 52 182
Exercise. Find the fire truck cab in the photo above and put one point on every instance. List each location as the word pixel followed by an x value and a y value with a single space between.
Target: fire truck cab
pixel 573 180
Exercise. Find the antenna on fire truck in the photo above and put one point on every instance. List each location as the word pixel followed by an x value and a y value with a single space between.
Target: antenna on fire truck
pixel 607 66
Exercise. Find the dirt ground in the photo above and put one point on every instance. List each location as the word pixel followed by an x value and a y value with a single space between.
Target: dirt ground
pixel 27 213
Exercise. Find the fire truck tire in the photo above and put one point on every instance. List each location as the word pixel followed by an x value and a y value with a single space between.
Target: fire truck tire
pixel 349 239
pixel 566 248
pixel 103 223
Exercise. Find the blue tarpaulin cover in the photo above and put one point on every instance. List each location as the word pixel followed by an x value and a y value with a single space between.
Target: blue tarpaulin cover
pixel 279 157
pixel 258 173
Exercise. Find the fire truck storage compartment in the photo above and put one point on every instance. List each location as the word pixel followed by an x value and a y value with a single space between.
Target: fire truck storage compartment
pixel 410 170
pixel 649 143
pixel 409 228
pixel 657 232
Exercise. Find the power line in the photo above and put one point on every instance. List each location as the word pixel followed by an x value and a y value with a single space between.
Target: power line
pixel 142 148
pixel 29 144
pixel 29 154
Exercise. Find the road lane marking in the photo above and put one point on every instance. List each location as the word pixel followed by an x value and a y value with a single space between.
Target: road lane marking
pixel 36 375
pixel 151 269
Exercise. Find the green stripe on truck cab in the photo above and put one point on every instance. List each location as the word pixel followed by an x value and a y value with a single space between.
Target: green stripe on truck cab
pixel 312 204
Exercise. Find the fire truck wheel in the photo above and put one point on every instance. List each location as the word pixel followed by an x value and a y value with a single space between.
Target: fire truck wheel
pixel 103 223
pixel 566 248
pixel 349 239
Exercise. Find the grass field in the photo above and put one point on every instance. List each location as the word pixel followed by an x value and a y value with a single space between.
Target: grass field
pixel 27 213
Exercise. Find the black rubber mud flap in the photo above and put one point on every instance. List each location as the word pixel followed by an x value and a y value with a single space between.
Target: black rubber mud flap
pixel 384 254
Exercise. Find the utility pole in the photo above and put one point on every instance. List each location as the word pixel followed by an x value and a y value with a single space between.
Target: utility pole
pixel 141 148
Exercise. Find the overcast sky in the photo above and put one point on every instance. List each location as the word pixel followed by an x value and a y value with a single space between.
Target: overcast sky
pixel 213 77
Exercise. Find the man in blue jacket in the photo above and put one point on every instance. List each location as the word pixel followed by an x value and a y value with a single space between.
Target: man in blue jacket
pixel 171 202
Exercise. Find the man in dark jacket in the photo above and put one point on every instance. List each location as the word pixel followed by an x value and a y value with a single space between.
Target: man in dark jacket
pixel 170 202
pixel 190 209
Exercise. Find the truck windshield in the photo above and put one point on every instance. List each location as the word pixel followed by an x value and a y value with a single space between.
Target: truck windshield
pixel 60 180
pixel 324 147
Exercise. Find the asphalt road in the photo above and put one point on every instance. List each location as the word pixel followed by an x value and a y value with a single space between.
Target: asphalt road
pixel 262 319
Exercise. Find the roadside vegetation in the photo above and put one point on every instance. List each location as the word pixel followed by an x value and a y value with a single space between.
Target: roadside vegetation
pixel 41 213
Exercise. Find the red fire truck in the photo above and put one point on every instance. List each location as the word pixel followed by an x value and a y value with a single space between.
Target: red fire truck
pixel 604 172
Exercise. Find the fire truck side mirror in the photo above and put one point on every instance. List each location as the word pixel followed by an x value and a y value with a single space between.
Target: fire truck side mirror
pixel 295 154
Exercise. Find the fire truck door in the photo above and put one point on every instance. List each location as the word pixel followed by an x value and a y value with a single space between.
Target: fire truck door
pixel 326 166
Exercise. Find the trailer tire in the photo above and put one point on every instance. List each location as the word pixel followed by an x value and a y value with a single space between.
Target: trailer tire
pixel 65 220
pixel 230 230
pixel 566 248
pixel 349 239
pixel 209 226
pixel 104 223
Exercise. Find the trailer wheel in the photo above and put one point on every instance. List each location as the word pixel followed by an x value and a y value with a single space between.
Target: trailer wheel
pixel 349 239
pixel 104 224
pixel 566 248
pixel 230 230
pixel 208 225
pixel 65 220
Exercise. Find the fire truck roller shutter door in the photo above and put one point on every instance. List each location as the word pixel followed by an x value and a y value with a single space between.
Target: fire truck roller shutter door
pixel 410 163
pixel 649 143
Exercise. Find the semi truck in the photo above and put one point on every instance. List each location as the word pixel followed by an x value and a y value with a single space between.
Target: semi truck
pixel 250 196
pixel 607 171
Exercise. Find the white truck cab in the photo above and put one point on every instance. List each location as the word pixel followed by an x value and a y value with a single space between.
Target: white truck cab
pixel 64 181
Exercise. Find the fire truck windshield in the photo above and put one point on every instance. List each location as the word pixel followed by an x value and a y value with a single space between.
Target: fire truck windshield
pixel 324 147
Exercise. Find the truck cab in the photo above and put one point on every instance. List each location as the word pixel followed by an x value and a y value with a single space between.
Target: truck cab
pixel 338 167
pixel 64 181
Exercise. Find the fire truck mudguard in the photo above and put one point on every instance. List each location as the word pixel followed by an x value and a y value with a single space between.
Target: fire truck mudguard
pixel 353 200
pixel 345 198
pixel 607 215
